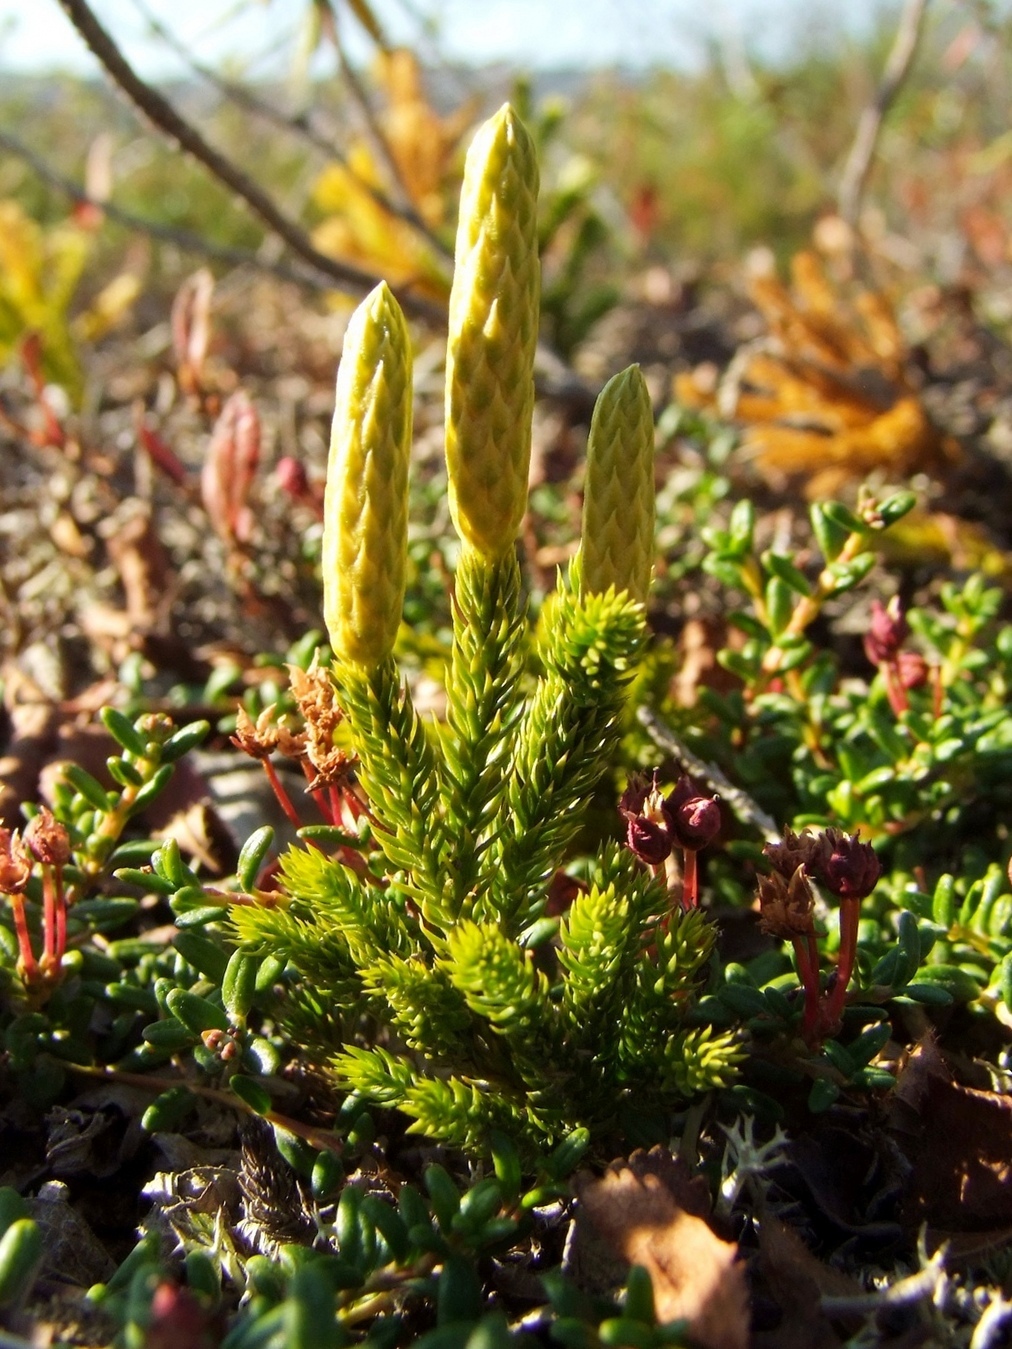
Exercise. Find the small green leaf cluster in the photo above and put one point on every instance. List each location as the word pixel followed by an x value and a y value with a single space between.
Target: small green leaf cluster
pixel 52 1020
pixel 21 1248
pixel 817 748
pixel 585 1322
pixel 420 1265
pixel 784 601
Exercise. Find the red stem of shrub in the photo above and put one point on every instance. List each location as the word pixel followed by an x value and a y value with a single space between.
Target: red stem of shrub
pixel 26 959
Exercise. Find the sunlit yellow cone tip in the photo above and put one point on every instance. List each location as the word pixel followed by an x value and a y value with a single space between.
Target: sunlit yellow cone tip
pixel 365 520
pixel 618 502
pixel 493 331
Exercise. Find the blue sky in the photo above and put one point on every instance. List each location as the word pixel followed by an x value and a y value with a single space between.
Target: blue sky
pixel 35 34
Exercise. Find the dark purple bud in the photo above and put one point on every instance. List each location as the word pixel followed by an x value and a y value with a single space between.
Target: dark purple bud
pixel 912 669
pixel 697 823
pixel 887 632
pixel 634 798
pixel 850 869
pixel 694 819
pixel 797 850
pixel 649 841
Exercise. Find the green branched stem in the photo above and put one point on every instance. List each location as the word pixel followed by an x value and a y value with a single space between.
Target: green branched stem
pixel 564 742
pixel 400 774
pixel 483 701
pixel 665 980
pixel 453 1108
pixel 424 1007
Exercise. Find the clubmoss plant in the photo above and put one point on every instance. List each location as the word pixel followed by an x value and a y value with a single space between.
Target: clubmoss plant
pixel 491 1010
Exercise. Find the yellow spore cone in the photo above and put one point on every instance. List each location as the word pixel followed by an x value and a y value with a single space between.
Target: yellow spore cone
pixel 493 331
pixel 618 501
pixel 365 523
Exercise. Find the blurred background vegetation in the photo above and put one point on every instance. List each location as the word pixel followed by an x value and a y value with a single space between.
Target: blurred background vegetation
pixel 742 144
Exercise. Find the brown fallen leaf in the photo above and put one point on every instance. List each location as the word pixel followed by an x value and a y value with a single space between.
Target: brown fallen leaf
pixel 795 1281
pixel 960 1143
pixel 650 1210
pixel 145 570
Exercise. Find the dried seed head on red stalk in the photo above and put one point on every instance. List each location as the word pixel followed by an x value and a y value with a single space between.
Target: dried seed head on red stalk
pixel 15 863
pixel 850 869
pixel 786 905
pixel 259 739
pixel 47 839
pixel 316 696
pixel 796 850
pixel 693 818
pixel 887 632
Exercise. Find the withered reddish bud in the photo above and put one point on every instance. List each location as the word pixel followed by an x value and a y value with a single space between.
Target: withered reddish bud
pixel 291 476
pixel 649 841
pixel 220 1042
pixel 233 455
pixel 160 453
pixel 190 322
pixel 647 824
pixel 786 905
pixel 851 869
pixel 295 482
pixel 912 669
pixel 887 633
pixel 694 819
pixel 259 738
pixel 178 1321
pixel 796 850
pixel 633 799
pixel 15 863
pixel 47 839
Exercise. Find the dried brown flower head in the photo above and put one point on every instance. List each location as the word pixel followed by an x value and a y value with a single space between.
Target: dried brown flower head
pixel 647 826
pixel 786 905
pixel 840 862
pixel 686 818
pixel 47 839
pixel 796 850
pixel 316 696
pixel 15 863
pixel 261 738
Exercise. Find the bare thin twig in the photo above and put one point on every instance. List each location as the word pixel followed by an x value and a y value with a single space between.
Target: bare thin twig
pixel 302 125
pixel 329 21
pixel 918 1287
pixel 862 153
pixel 165 117
pixel 742 805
